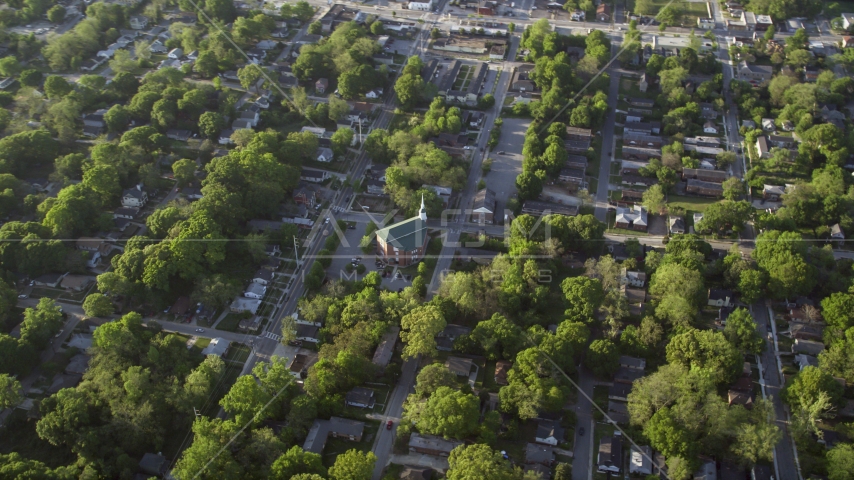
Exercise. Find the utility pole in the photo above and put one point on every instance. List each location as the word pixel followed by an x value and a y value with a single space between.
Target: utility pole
pixel 296 250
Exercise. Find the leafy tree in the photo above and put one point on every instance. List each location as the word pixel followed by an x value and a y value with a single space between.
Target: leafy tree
pixel 296 462
pixel 377 28
pixel 840 462
pixel 838 310
pixel 726 215
pixel 675 279
pixel 56 87
pixel 41 323
pixel 653 199
pixel 707 350
pixel 433 376
pixel 409 89
pixel 499 337
pixel 9 66
pixel 30 78
pixel 211 123
pixel 249 75
pixel 117 118
pixel 530 184
pixel 353 465
pixel 184 171
pixel 97 305
pixel 315 28
pixel 56 14
pixel 123 62
pixel 245 400
pixel 741 331
pixel 419 329
pixel 341 140
pixel 755 440
pixel 603 357
pixel 733 188
pixel 448 412
pixel 584 296
pixel 10 391
pixel 478 461
pixel 804 388
pixel 206 453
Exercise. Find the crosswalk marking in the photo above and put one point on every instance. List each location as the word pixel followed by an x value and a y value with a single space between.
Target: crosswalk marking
pixel 273 336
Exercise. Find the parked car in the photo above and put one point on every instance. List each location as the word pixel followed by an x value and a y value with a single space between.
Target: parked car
pixel 388 425
pixel 200 330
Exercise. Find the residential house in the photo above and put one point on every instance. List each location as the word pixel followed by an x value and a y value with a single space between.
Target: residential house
pixel 647 80
pixel 628 375
pixel 431 445
pixel 720 298
pixel 76 283
pixel 263 277
pixel 299 366
pixel 539 454
pixel 549 432
pixel 375 187
pixel 847 21
pixel 618 412
pixel 755 73
pixel 803 361
pixel 633 278
pixel 385 349
pixel 255 290
pixel 314 176
pixel 808 347
pixel 836 234
pixel 360 397
pixel 404 243
pixel 337 427
pixel 307 333
pixel 773 192
pixel 699 187
pixel 484 206
pixel 460 367
pixel 640 462
pixel 710 127
pixel 576 161
pixel 603 12
pixel 218 346
pixel 304 196
pixel 578 16
pixel 610 458
pixel 632 218
pixel 633 363
pixel 502 367
pixel 706 23
pixel 179 135
pixel 134 197
pixel 781 141
pixel 676 224
pixel 375 93
pixel 155 465
pixel 138 22
pixel 324 154
pixel 572 175
pixel 242 304
pixel 644 103
pixel 619 392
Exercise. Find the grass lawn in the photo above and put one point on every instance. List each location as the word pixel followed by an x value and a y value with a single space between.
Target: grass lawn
pixel 229 323
pixel 238 353
pixel 689 10
pixel 20 436
pixel 690 204
pixel 201 344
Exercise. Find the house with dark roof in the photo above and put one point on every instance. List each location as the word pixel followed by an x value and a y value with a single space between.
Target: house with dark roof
pixel 404 243
pixel 431 445
pixel 610 458
pixel 619 392
pixel 154 464
pixel 720 298
pixel 360 397
pixel 541 454
pixel 337 427
pixel 459 366
pixel 549 432
pixel 538 208
pixel 134 197
pixel 632 363
pixel 708 189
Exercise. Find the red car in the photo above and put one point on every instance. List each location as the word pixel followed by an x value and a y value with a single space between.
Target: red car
pixel 388 425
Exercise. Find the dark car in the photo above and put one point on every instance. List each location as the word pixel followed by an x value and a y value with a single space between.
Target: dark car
pixel 388 425
pixel 581 431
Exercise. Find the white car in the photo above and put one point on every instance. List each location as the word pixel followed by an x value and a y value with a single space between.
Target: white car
pixel 23 296
pixel 468 148
pixel 200 330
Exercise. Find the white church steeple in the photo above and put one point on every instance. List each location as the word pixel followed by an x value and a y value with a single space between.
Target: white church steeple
pixel 423 212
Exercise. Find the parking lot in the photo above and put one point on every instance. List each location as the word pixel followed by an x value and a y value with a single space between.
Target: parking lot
pixel 348 250
pixel 506 167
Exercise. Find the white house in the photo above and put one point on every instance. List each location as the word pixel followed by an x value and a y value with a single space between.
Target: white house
pixel 375 93
pixel 255 290
pixel 176 54
pixel 218 347
pixel 134 197
pixel 316 131
pixel 421 6
pixel 641 461
pixel 847 20
pixel 578 16
pixel 710 127
pixel 635 279
pixel 324 154
pixel 252 117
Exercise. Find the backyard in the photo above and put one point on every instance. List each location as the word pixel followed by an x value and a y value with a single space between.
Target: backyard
pixel 687 11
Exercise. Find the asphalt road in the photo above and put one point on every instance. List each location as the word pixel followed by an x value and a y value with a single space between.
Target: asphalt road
pixel 785 464
pixel 607 154
pixel 582 452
